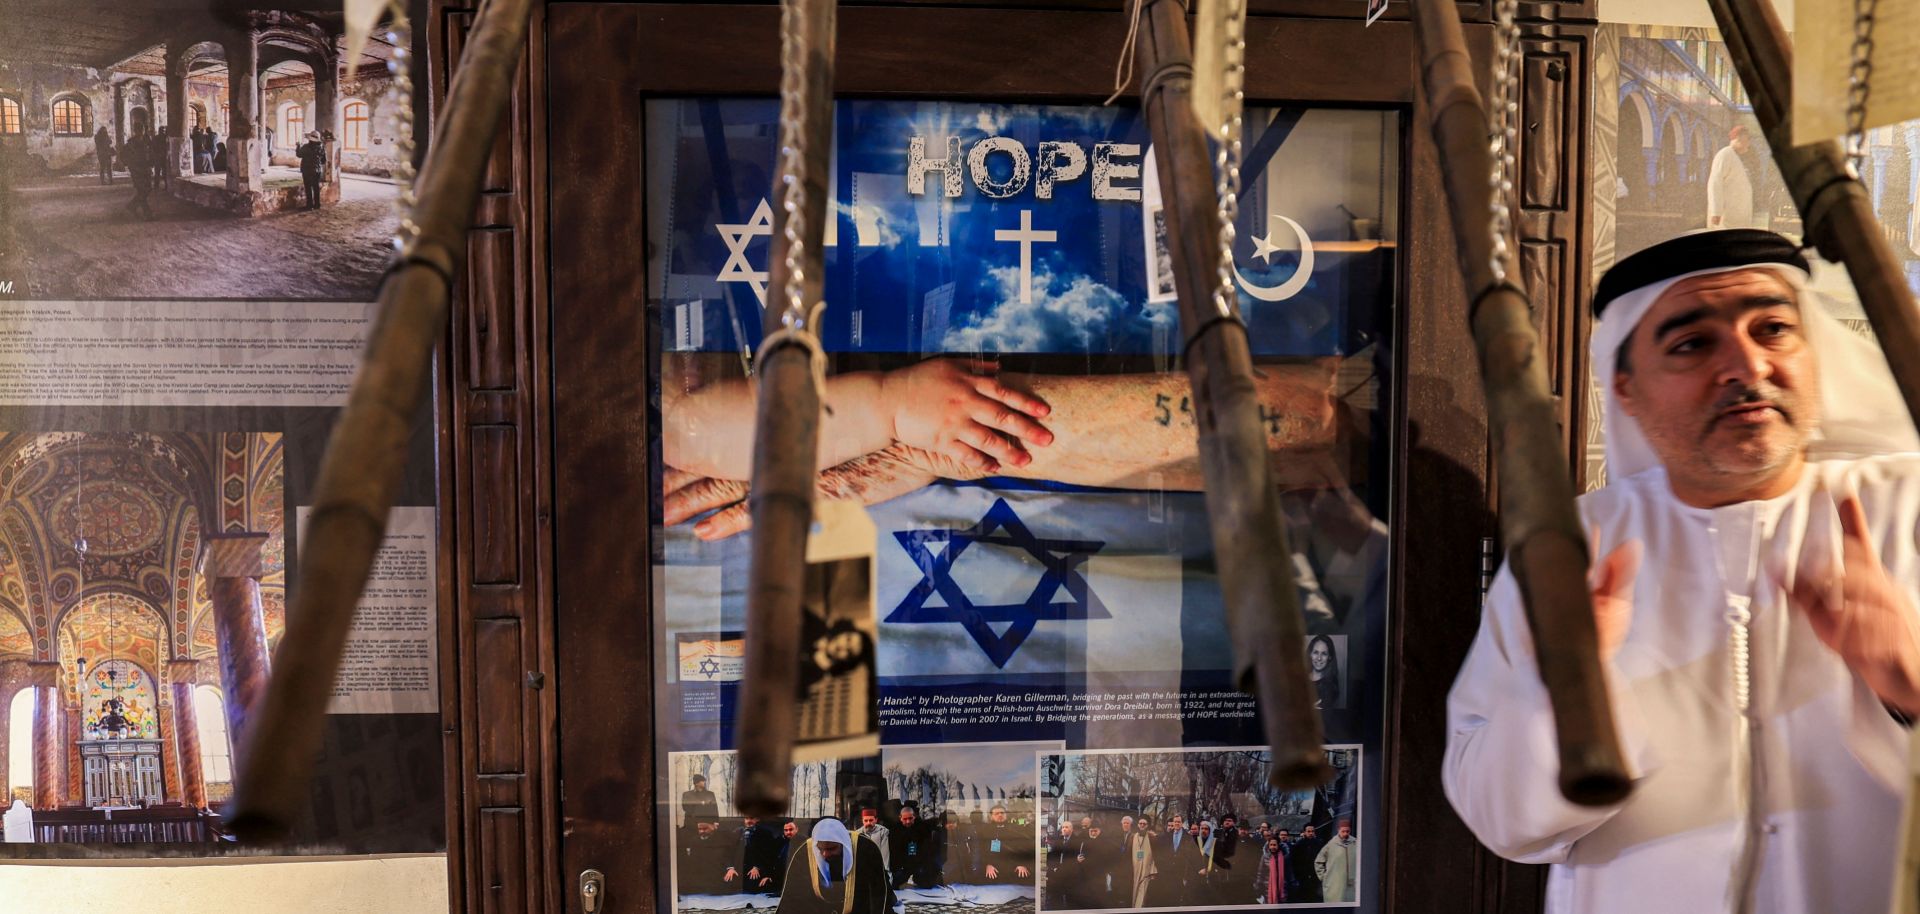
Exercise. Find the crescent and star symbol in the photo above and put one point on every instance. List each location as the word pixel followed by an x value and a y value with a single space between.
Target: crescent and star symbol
pixel 1264 248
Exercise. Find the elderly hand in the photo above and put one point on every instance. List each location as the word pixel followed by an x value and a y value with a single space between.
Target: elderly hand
pixel 1859 612
pixel 958 408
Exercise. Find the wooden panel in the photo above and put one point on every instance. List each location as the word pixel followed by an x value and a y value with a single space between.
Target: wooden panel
pixel 503 861
pixel 495 509
pixel 1543 174
pixel 502 835
pixel 493 309
pixel 1542 266
pixel 497 677
pixel 993 53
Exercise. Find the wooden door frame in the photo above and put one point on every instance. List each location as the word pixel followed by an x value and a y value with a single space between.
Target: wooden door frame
pixel 595 65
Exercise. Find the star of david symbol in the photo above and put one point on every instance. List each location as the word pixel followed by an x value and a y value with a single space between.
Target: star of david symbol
pixel 1062 560
pixel 737 236
pixel 708 668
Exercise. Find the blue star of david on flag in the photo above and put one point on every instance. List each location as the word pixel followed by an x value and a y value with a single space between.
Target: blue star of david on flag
pixel 708 668
pixel 1061 559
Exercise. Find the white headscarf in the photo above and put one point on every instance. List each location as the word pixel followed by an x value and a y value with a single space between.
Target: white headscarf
pixel 1862 413
pixel 832 831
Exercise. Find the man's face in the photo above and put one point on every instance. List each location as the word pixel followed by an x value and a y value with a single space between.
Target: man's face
pixel 1093 832
pixel 1722 382
pixel 1345 833
pixel 907 817
pixel 998 815
pixel 1307 832
pixel 1282 835
pixel 830 850
pixel 1144 825
pixel 867 819
pixel 1086 822
pixel 1741 143
pixel 790 830
pixel 749 821
pixel 1126 823
pixel 1066 829
pixel 706 829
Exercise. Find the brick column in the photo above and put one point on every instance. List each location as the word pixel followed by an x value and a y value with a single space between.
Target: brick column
pixel 186 734
pixel 233 567
pixel 49 750
pixel 326 108
pixel 177 149
pixel 243 95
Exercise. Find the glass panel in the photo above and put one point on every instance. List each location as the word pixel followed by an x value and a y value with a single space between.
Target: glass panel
pixel 1051 649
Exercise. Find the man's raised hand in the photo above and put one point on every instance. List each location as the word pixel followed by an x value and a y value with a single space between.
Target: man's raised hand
pixel 959 408
pixel 1612 582
pixel 1859 612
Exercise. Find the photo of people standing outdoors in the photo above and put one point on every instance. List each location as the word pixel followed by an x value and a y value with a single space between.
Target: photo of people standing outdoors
pixel 1194 829
pixel 916 826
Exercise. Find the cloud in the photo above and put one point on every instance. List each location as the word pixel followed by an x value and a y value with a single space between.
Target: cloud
pixel 991 121
pixel 873 227
pixel 1073 314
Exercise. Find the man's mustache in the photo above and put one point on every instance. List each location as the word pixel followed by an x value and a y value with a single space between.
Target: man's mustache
pixel 1743 396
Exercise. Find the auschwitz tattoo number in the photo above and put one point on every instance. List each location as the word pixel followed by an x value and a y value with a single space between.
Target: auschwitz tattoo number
pixel 1163 405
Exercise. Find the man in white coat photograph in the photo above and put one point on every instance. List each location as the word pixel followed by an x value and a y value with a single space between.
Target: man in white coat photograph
pixel 1755 586
pixel 1729 188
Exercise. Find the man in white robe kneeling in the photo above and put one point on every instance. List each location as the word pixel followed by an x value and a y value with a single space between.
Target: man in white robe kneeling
pixel 1755 595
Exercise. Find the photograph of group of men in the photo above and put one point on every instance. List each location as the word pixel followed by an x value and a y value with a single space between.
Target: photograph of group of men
pixel 1194 829
pixel 1138 863
pixel 950 824
pixel 746 855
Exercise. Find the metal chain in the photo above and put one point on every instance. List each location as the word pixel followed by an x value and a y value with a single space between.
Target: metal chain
pixel 1503 139
pixel 1226 159
pixel 399 103
pixel 793 159
pixel 1858 73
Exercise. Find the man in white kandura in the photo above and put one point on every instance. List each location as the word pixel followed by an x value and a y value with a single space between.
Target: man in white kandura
pixel 1764 659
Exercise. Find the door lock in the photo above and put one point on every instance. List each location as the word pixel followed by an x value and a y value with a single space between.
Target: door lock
pixel 593 891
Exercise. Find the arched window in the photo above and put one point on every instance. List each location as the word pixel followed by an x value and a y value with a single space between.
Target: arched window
pixel 293 125
pixel 9 116
pixel 357 125
pixel 69 117
pixel 216 751
pixel 20 758
pixel 199 115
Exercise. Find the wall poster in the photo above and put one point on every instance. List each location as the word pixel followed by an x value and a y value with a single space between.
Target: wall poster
pixel 196 207
pixel 1058 728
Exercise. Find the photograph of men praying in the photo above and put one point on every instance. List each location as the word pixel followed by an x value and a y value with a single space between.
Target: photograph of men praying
pixel 1755 582
pixel 178 149
pixel 950 826
pixel 1123 830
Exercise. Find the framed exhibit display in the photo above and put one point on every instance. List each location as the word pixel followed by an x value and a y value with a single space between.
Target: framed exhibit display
pixel 1048 651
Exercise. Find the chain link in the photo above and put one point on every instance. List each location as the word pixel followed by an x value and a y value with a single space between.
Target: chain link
pixel 1858 73
pixel 1503 138
pixel 1226 159
pixel 399 102
pixel 793 160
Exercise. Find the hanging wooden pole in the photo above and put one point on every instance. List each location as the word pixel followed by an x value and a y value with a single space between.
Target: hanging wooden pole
pixel 786 419
pixel 361 470
pixel 1834 206
pixel 1546 547
pixel 1243 507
